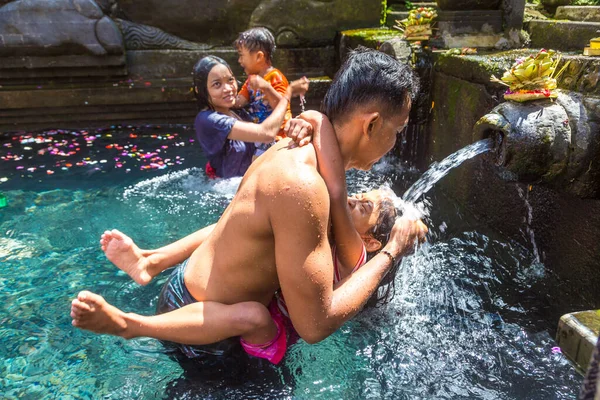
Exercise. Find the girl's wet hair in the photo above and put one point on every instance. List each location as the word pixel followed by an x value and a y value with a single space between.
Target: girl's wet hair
pixel 200 74
pixel 257 39
pixel 382 230
pixel 370 76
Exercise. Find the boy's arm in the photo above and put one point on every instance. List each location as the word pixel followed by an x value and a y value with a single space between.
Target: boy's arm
pixel 348 242
pixel 303 257
pixel 272 96
pixel 266 131
pixel 243 96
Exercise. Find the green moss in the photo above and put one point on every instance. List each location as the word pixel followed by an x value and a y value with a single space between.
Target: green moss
pixel 383 18
pixel 371 37
pixel 529 162
pixel 460 97
pixel 591 319
pixel 371 33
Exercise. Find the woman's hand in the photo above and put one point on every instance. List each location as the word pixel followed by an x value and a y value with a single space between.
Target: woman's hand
pixel 299 87
pixel 299 130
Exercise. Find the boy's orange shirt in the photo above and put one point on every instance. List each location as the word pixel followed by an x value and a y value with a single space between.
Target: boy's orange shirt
pixel 259 109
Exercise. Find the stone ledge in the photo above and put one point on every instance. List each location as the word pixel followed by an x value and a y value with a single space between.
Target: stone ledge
pixel 577 335
pixel 562 35
pixel 370 37
pixel 582 75
pixel 76 106
pixel 578 13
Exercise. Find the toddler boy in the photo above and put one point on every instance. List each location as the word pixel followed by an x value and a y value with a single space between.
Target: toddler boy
pixel 255 48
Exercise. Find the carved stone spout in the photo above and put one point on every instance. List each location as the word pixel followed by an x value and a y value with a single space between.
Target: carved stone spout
pixel 556 142
pixel 532 139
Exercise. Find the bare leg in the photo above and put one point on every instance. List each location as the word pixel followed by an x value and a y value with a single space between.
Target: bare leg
pixel 143 265
pixel 126 255
pixel 195 324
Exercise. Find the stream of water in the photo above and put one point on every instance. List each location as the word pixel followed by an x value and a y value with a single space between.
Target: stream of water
pixel 438 170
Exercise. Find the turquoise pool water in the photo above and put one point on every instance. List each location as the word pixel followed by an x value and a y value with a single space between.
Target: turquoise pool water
pixel 464 324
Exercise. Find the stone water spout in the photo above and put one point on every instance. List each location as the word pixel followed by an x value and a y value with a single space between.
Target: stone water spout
pixel 551 141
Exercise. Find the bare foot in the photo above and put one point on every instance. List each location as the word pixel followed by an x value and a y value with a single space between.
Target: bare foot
pixel 91 312
pixel 126 255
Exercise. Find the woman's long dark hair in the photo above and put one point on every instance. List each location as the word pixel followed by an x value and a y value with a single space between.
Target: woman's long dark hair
pixel 200 74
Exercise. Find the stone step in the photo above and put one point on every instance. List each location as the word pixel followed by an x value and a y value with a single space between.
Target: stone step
pixel 562 35
pixel 579 13
pixel 577 336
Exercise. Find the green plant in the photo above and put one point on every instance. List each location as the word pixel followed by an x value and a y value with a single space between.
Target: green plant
pixel 586 3
pixel 409 5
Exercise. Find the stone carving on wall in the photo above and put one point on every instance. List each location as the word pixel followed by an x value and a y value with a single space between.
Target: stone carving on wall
pixel 144 37
pixel 57 27
pixel 53 27
pixel 312 22
pixel 215 22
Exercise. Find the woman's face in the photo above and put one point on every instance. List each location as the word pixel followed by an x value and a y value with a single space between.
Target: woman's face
pixel 365 210
pixel 222 88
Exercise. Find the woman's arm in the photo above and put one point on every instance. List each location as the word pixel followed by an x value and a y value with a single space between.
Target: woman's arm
pixel 266 131
pixel 348 242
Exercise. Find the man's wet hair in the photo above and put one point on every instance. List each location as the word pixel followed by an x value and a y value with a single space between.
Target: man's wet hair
pixel 200 75
pixel 257 39
pixel 370 76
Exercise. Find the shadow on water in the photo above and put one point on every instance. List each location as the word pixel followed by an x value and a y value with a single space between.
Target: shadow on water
pixel 232 377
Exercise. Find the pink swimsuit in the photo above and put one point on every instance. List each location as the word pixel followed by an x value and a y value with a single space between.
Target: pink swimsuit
pixel 276 348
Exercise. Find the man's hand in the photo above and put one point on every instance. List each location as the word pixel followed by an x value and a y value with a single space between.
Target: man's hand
pixel 299 130
pixel 404 234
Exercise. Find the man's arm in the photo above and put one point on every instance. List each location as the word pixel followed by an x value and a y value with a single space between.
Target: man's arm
pixel 348 242
pixel 304 262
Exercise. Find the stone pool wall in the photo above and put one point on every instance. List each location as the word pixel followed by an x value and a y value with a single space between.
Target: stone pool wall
pixel 565 225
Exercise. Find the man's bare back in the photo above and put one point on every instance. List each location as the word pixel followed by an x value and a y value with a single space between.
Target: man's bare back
pixel 237 261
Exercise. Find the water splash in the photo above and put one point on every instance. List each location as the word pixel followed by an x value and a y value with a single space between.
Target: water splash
pixel 302 103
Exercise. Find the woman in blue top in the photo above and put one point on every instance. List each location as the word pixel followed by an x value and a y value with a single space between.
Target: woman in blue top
pixel 226 136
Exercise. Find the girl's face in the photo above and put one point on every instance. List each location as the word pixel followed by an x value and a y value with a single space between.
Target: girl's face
pixel 222 88
pixel 365 210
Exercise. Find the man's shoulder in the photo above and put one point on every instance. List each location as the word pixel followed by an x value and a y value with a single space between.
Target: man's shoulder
pixel 297 178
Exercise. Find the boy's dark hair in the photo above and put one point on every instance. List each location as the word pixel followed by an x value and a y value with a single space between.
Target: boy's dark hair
pixel 366 76
pixel 257 39
pixel 200 74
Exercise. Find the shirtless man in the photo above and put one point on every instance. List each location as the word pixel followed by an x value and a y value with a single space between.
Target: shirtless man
pixel 274 234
